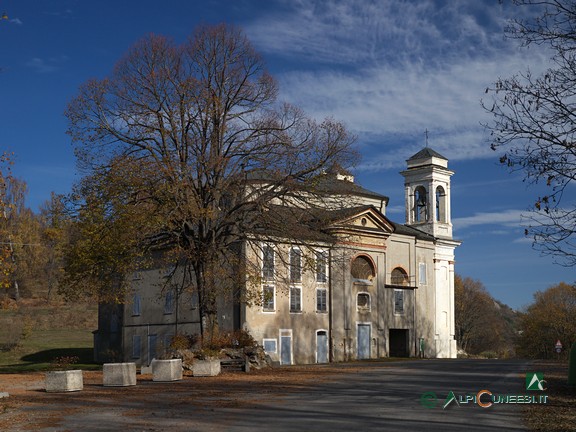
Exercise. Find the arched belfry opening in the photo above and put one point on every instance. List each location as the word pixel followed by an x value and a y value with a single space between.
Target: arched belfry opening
pixel 420 204
pixel 440 204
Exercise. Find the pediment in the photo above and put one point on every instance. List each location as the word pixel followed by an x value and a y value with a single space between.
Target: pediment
pixel 365 220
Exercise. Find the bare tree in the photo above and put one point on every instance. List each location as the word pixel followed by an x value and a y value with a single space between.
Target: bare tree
pixel 534 120
pixel 185 147
pixel 480 325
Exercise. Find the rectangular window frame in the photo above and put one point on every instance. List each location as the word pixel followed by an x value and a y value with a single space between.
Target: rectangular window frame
pixel 321 300
pixel 268 263
pixel 322 266
pixel 295 269
pixel 136 305
pixel 267 341
pixel 368 306
pixel 295 300
pixel 136 346
pixel 194 300
pixel 270 304
pixel 169 303
pixel 399 300
pixel 422 273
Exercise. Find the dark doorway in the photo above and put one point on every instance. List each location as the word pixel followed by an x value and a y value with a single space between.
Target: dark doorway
pixel 399 343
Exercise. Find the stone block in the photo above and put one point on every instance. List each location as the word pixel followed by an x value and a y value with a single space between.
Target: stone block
pixel 64 381
pixel 167 370
pixel 119 374
pixel 206 368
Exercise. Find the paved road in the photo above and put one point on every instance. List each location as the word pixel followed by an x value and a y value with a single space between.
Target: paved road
pixel 376 397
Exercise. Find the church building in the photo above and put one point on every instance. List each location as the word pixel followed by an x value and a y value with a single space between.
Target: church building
pixel 377 289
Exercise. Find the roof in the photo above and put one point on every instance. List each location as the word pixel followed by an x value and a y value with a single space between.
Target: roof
pixel 411 231
pixel 314 223
pixel 329 183
pixel 426 152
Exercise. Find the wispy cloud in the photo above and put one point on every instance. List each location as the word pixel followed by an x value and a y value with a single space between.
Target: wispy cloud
pixel 394 69
pixel 16 21
pixel 41 66
pixel 46 65
pixel 509 218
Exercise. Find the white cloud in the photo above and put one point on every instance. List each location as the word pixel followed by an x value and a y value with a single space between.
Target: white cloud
pixel 510 218
pixel 47 65
pixel 524 240
pixel 390 70
pixel 16 21
pixel 41 66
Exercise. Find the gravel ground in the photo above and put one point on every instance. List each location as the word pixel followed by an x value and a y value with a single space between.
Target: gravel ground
pixel 184 405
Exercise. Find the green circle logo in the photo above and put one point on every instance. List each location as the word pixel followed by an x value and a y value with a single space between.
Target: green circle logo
pixel 428 400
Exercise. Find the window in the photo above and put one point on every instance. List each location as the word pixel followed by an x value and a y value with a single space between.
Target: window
pixel 321 266
pixel 295 265
pixel 422 273
pixel 295 299
pixel 363 301
pixel 136 346
pixel 194 300
pixel 321 300
pixel 362 269
pixel 270 345
pixel 136 305
pixel 268 301
pixel 169 303
pixel 267 263
pixel 399 277
pixel 398 301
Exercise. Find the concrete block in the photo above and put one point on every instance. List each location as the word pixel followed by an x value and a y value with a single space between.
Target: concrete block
pixel 206 367
pixel 119 374
pixel 167 370
pixel 64 381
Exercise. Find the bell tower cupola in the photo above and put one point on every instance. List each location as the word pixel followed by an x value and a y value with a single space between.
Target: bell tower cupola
pixel 427 189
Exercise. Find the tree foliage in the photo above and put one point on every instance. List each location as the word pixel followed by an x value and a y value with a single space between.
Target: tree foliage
pixel 548 319
pixel 6 194
pixel 184 147
pixel 480 321
pixel 534 121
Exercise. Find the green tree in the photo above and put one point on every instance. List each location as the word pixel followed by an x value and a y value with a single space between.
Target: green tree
pixel 548 319
pixel 185 147
pixel 534 121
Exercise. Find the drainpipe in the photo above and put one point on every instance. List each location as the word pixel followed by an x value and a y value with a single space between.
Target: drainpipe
pixel 331 342
pixel 416 279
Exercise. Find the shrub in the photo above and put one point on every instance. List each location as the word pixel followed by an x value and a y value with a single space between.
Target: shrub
pixel 64 362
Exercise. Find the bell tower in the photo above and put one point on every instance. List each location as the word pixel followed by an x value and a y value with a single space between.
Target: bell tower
pixel 427 190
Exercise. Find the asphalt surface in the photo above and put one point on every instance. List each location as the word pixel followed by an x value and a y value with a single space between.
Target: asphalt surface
pixel 375 396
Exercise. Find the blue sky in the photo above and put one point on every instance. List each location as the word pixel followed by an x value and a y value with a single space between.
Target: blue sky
pixel 389 69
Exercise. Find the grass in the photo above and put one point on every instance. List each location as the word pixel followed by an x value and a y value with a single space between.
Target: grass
pixel 34 334
pixel 558 415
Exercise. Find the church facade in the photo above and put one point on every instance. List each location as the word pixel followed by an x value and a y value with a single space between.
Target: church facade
pixel 379 289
